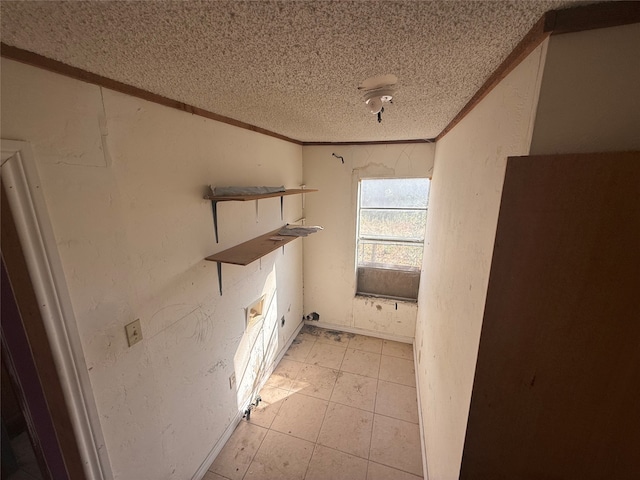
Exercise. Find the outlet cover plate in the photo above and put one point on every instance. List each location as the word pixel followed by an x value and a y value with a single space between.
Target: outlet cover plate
pixel 134 332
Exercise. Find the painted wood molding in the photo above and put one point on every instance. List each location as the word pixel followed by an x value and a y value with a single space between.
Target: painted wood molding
pixel 20 177
pixel 554 22
pixel 575 19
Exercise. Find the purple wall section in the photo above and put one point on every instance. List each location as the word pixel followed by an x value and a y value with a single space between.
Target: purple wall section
pixel 17 345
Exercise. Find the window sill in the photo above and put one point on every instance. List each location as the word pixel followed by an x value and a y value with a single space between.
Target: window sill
pixel 388 297
pixel 388 283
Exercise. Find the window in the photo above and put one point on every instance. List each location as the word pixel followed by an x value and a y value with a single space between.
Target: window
pixel 392 215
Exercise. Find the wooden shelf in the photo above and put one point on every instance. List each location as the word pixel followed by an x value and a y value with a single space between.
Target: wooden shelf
pixel 249 251
pixel 258 196
pixel 252 250
pixel 215 199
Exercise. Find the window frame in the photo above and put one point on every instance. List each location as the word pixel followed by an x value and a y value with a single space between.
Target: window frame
pixel 406 271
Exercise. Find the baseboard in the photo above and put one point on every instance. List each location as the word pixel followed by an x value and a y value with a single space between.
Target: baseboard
pixel 423 443
pixel 222 441
pixel 359 331
pixel 215 451
pixel 287 345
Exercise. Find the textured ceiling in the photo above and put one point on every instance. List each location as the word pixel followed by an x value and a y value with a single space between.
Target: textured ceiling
pixel 291 67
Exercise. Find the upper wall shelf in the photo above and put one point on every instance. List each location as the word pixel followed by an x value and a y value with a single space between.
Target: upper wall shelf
pixel 244 198
pixel 258 196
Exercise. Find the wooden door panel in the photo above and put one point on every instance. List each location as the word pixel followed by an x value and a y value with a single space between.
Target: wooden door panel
pixel 557 386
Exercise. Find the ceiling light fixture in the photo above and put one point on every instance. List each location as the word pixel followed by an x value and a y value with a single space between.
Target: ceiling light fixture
pixel 378 91
pixel 375 99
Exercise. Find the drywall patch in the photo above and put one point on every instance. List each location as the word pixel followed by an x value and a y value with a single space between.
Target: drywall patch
pixel 104 132
pixel 373 170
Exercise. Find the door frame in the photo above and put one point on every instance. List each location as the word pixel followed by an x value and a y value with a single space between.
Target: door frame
pixel 20 178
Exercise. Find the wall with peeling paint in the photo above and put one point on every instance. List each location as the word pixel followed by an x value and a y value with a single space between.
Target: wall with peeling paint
pixel 123 180
pixel 470 162
pixel 329 258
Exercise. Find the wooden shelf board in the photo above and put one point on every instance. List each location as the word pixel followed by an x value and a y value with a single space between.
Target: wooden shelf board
pixel 245 198
pixel 250 251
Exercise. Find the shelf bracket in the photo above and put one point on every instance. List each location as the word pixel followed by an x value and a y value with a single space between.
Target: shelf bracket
pixel 219 276
pixel 214 208
pixel 257 216
pixel 281 207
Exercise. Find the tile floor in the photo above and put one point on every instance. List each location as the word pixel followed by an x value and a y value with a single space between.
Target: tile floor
pixel 27 464
pixel 338 406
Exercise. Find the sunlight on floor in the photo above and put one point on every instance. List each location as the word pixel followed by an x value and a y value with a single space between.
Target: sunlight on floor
pixel 338 406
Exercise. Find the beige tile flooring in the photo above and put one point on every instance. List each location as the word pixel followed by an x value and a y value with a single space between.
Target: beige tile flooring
pixel 27 463
pixel 338 406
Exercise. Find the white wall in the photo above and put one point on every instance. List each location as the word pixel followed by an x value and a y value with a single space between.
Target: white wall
pixel 465 196
pixel 329 257
pixel 590 95
pixel 123 180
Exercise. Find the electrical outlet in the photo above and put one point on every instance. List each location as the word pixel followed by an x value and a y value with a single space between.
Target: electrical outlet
pixel 134 332
pixel 232 381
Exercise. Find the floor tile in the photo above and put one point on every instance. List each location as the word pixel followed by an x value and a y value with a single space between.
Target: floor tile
pixel 20 474
pixel 368 344
pixel 334 337
pixel 235 457
pixel 396 443
pixel 212 476
pixel 315 381
pixel 284 373
pixel 397 370
pixel 300 416
pixel 299 350
pixel 397 401
pixel 324 335
pixel 307 333
pixel 355 390
pixel 265 412
pixel 25 457
pixel 397 349
pixel 360 362
pixel 280 457
pixel 353 395
pixel 347 429
pixel 329 464
pixel 326 355
pixel 382 472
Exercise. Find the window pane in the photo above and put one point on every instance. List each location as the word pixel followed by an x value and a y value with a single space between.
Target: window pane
pixel 389 254
pixel 400 224
pixel 395 192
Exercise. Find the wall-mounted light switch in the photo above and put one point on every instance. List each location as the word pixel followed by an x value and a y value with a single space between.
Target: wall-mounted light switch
pixel 134 332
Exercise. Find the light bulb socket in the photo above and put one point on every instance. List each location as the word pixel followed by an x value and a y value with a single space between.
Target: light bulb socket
pixel 374 99
pixel 374 105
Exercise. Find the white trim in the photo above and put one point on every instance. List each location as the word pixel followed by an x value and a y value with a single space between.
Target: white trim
pixel 360 331
pixel 287 345
pixel 215 451
pixel 20 177
pixel 423 443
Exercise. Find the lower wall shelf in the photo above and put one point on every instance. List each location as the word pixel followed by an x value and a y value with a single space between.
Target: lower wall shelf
pixel 249 251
